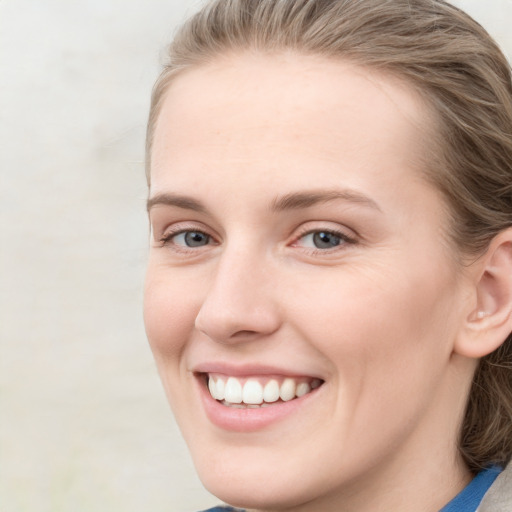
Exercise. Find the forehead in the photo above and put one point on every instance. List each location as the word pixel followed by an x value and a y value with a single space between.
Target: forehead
pixel 273 113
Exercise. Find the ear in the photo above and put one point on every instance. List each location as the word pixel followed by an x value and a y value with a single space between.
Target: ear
pixel 489 321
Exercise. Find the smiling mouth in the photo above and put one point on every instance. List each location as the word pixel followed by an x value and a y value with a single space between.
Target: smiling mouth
pixel 257 392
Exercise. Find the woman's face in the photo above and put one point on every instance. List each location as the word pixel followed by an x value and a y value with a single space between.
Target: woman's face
pixel 297 252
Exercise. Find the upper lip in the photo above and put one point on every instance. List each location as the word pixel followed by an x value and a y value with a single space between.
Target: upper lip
pixel 247 370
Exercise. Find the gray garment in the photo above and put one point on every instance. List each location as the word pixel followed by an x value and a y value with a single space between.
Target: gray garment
pixel 499 497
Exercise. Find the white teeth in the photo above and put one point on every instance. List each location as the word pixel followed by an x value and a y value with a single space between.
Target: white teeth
pixel 216 388
pixel 271 391
pixel 302 389
pixel 287 391
pixel 233 391
pixel 220 389
pixel 252 392
pixel 212 388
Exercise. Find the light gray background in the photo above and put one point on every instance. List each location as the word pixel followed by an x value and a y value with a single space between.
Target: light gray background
pixel 84 424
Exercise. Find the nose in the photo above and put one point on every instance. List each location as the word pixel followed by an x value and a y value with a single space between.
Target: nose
pixel 239 305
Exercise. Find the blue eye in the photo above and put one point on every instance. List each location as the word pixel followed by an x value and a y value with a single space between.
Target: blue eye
pixel 191 239
pixel 323 240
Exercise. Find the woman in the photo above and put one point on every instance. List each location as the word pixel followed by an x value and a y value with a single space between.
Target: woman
pixel 329 288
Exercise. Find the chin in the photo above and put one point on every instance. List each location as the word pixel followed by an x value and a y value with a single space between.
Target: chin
pixel 249 478
pixel 256 492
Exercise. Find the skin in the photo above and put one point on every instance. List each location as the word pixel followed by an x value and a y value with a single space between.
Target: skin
pixel 377 317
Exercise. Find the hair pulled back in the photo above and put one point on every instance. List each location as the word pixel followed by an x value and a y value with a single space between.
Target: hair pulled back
pixel 460 73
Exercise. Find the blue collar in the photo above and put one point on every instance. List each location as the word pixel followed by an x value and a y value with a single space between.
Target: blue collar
pixel 471 496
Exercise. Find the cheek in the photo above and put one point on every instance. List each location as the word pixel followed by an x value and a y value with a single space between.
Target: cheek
pixel 169 314
pixel 388 347
pixel 386 335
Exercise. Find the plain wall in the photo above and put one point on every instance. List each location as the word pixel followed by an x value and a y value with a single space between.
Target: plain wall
pixel 84 425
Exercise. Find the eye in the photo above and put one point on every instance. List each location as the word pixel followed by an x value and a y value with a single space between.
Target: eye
pixel 188 239
pixel 323 239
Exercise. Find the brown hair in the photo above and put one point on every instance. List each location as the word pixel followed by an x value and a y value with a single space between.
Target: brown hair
pixel 459 71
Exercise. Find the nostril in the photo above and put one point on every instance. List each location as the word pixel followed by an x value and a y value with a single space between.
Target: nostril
pixel 244 334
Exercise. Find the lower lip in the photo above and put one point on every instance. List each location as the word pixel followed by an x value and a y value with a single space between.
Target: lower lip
pixel 248 419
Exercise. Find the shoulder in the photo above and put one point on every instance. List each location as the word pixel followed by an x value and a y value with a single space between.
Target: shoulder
pixel 499 497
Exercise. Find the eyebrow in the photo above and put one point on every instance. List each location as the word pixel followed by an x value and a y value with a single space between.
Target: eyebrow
pixel 292 201
pixel 297 200
pixel 185 202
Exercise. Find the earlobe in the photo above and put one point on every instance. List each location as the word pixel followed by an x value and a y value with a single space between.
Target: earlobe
pixel 489 322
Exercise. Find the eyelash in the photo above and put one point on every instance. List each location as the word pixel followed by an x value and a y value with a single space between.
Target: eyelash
pixel 168 239
pixel 344 239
